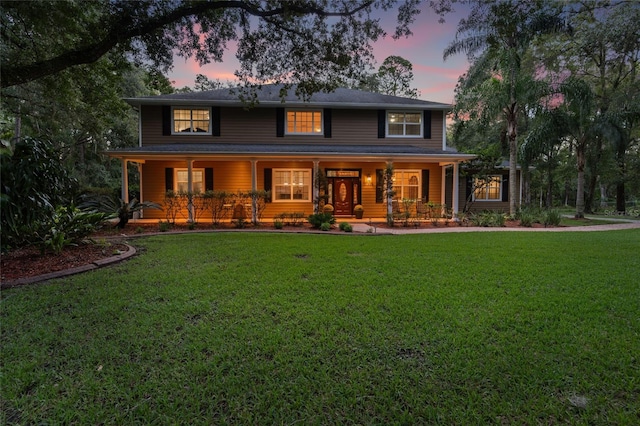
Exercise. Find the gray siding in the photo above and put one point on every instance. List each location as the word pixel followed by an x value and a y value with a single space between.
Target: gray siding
pixel 352 127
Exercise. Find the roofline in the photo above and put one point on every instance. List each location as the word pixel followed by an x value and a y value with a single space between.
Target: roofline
pixel 138 102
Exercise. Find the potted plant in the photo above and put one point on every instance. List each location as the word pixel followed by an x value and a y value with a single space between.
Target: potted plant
pixel 328 208
pixel 358 210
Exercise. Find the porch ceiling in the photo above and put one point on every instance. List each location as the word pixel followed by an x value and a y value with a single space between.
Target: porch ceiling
pixel 282 151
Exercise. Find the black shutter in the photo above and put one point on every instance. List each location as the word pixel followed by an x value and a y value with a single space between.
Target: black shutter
pixel 215 121
pixel 166 120
pixel 425 185
pixel 208 179
pixel 267 182
pixel 326 118
pixel 168 179
pixel 427 124
pixel 279 122
pixel 505 187
pixel 379 186
pixel 382 123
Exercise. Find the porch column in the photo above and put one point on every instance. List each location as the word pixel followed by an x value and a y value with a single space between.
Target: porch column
pixel 443 185
pixel 456 192
pixel 125 181
pixel 389 185
pixel 254 188
pixel 190 189
pixel 316 188
pixel 140 184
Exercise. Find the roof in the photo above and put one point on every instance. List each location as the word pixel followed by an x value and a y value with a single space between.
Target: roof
pixel 378 152
pixel 270 96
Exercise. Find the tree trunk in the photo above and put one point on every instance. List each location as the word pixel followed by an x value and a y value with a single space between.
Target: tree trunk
pixel 580 154
pixel 549 200
pixel 513 173
pixel 620 199
pixel 603 195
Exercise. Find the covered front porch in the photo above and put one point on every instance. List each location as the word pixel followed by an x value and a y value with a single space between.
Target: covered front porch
pixel 298 180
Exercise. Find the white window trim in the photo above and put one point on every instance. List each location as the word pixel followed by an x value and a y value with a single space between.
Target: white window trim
pixel 395 187
pixel 405 135
pixel 497 178
pixel 175 177
pixel 291 200
pixel 191 108
pixel 286 122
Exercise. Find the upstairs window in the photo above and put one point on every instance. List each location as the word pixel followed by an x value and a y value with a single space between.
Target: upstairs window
pixel 488 189
pixel 404 124
pixel 291 185
pixel 304 122
pixel 192 120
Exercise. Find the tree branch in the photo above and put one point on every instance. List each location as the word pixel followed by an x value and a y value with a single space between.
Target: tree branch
pixel 122 31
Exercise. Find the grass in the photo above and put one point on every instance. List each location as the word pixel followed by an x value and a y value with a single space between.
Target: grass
pixel 246 328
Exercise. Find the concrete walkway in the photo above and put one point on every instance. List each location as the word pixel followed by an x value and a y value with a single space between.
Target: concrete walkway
pixel 399 230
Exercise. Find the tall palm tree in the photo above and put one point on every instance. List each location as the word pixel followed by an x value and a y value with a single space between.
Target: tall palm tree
pixel 496 37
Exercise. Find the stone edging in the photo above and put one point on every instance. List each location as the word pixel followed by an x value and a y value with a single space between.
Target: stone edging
pixel 131 251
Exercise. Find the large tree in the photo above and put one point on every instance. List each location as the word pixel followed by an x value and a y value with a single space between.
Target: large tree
pixel 496 37
pixel 395 76
pixel 603 50
pixel 309 41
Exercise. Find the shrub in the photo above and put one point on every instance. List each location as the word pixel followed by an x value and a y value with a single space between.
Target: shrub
pixel 68 226
pixel 326 226
pixel 318 219
pixel 164 226
pixel 34 183
pixel 488 219
pixel 551 217
pixel 278 224
pixel 526 219
pixel 346 227
pixel 117 207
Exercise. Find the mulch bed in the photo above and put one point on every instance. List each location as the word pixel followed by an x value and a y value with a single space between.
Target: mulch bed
pixel 29 262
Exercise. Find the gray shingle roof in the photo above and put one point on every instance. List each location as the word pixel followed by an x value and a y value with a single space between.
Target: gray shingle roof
pixel 269 95
pixel 381 151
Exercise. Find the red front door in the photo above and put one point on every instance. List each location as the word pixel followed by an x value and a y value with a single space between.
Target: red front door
pixel 343 196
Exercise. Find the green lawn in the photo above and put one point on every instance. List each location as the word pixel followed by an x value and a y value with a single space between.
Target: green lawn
pixel 269 328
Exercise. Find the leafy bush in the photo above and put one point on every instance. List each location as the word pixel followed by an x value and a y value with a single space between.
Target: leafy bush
pixel 33 183
pixel 278 224
pixel 163 226
pixel 68 226
pixel 346 227
pixel 318 219
pixel 527 219
pixel 488 219
pixel 551 217
pixel 326 226
pixel 117 207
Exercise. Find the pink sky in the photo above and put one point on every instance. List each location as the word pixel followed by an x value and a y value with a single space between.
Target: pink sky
pixel 433 77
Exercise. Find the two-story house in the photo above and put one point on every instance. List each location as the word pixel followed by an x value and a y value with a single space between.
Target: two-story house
pixel 211 141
